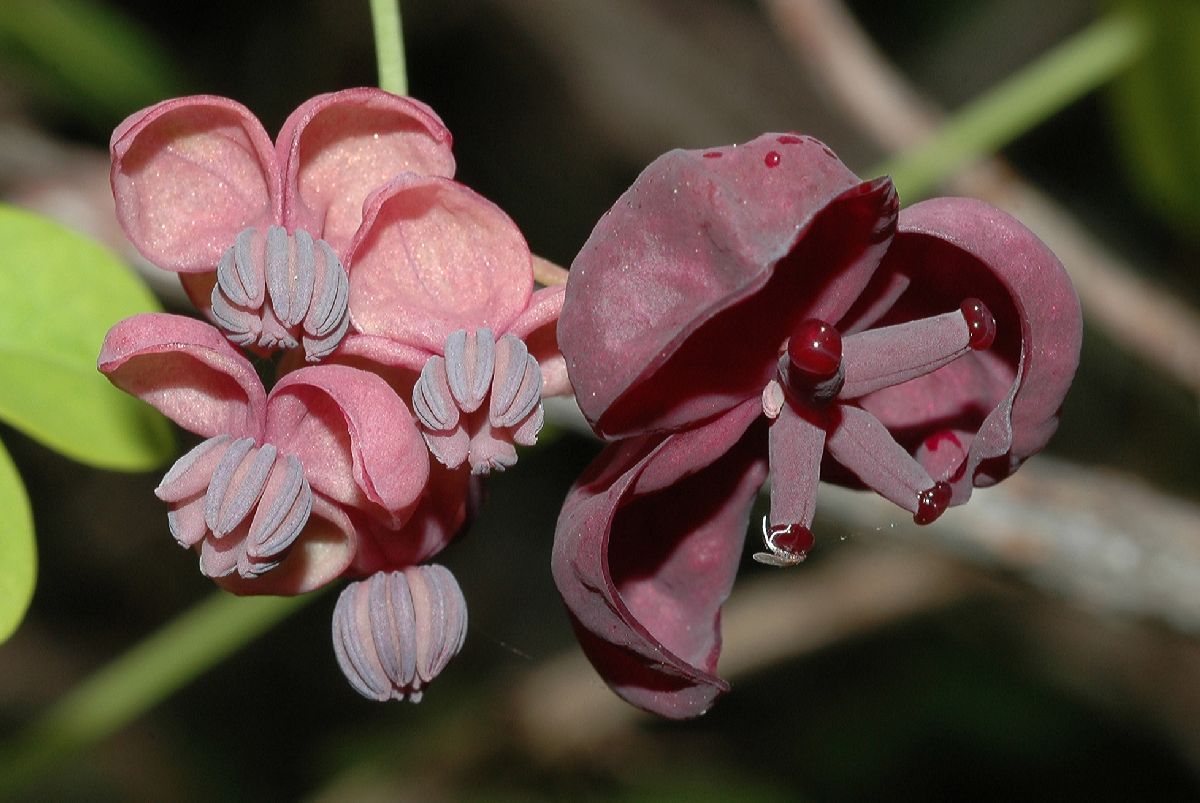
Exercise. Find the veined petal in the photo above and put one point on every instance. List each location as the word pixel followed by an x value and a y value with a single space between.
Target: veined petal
pixel 711 259
pixel 188 174
pixel 338 148
pixel 433 257
pixel 645 566
pixel 188 371
pixel 354 435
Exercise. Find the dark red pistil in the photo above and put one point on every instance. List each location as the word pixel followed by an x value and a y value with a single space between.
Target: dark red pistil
pixel 795 539
pixel 932 502
pixel 815 350
pixel 980 322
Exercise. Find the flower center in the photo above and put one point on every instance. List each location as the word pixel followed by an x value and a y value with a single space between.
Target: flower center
pixel 448 401
pixel 811 404
pixel 243 504
pixel 302 279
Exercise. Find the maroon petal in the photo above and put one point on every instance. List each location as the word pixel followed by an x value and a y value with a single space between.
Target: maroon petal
pixel 999 405
pixel 710 259
pixel 645 553
pixel 188 174
pixel 188 371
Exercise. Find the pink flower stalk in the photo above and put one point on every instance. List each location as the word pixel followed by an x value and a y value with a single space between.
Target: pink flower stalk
pixel 258 230
pixel 442 297
pixel 287 490
pixel 760 307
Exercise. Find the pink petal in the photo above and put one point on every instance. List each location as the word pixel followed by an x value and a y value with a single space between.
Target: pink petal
pixel 446 507
pixel 340 147
pixel 188 371
pixel 645 553
pixel 353 434
pixel 433 257
pixel 1010 393
pixel 709 262
pixel 188 174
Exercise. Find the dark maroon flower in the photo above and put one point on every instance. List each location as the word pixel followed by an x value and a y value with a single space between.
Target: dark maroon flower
pixel 758 307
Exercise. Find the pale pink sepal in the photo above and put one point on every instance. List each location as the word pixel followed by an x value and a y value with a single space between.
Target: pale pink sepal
pixel 188 174
pixel 186 370
pixel 337 148
pixel 354 435
pixel 431 257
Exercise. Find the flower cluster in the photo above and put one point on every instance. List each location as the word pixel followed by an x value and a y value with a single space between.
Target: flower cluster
pixel 394 314
pixel 760 308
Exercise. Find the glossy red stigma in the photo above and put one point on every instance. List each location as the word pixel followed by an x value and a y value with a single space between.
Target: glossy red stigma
pixel 980 322
pixel 815 349
pixel 795 539
pixel 932 502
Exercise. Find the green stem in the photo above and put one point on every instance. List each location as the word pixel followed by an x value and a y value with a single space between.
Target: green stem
pixel 134 682
pixel 1031 95
pixel 389 45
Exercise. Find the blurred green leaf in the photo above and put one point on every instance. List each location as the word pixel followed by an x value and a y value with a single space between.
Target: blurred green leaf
pixel 1156 111
pixel 59 294
pixel 86 55
pixel 18 556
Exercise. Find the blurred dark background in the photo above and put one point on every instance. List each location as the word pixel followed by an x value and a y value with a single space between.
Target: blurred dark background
pixel 1016 683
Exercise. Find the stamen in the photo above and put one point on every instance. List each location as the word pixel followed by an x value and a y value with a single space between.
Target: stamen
pixel 469 366
pixel 516 385
pixel 304 280
pixel 448 401
pixel 395 632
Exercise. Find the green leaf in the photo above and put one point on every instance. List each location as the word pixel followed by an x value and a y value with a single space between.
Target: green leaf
pixel 59 294
pixel 18 556
pixel 1155 109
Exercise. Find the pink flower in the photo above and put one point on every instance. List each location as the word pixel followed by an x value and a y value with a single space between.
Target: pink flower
pixel 287 490
pixel 761 307
pixel 202 191
pixel 442 298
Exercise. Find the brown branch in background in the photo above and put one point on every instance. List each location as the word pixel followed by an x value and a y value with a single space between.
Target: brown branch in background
pixel 1137 314
pixel 563 710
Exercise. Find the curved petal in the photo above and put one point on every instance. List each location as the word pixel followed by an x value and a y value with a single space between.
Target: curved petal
pixel 1008 395
pixel 188 174
pixel 353 434
pixel 710 259
pixel 338 148
pixel 188 371
pixel 432 257
pixel 322 552
pixel 645 554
